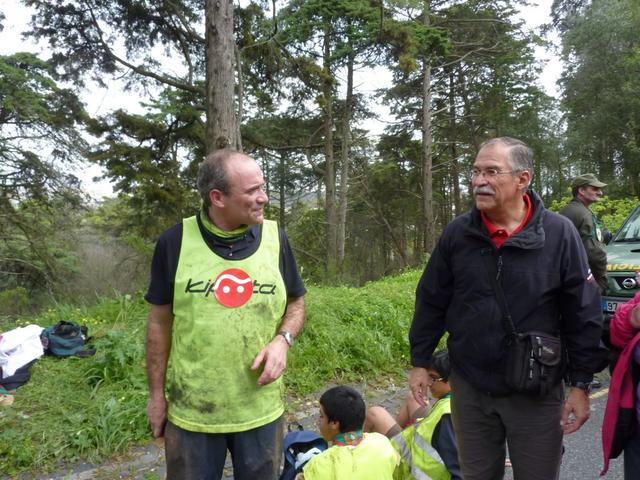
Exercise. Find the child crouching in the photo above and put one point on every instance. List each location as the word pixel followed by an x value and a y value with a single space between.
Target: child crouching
pixel 354 454
pixel 427 446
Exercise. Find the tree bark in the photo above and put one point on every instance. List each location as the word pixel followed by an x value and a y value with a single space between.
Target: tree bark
pixel 344 167
pixel 221 128
pixel 427 144
pixel 455 167
pixel 329 170
pixel 281 187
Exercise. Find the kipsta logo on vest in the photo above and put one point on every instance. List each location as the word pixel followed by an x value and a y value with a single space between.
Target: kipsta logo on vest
pixel 233 288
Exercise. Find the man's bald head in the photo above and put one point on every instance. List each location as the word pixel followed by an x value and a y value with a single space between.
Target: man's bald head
pixel 212 172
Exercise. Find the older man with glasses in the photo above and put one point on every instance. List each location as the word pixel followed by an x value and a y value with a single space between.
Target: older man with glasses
pixel 539 265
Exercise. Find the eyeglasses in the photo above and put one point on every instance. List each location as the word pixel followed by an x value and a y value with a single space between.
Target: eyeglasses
pixel 489 172
pixel 434 380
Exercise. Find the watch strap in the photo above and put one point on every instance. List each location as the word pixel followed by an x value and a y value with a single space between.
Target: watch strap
pixel 586 386
pixel 287 336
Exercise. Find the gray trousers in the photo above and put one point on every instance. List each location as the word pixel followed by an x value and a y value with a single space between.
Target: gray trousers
pixel 255 454
pixel 484 423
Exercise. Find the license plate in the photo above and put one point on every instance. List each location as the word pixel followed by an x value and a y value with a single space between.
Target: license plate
pixel 609 307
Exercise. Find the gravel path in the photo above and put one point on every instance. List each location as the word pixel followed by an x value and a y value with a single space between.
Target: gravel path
pixel 582 459
pixel 147 463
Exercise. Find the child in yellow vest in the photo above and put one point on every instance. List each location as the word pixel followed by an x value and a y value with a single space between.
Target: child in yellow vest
pixel 354 455
pixel 427 446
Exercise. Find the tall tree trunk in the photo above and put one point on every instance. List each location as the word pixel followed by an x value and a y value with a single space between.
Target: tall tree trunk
pixel 453 129
pixel 329 170
pixel 282 174
pixel 344 166
pixel 239 97
pixel 221 128
pixel 427 143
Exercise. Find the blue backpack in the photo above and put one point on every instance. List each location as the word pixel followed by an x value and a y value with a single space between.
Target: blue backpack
pixel 66 339
pixel 299 447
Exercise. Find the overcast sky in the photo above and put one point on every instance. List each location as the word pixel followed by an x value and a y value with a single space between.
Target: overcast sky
pixel 100 101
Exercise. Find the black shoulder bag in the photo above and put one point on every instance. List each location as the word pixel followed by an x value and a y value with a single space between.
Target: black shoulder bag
pixel 534 359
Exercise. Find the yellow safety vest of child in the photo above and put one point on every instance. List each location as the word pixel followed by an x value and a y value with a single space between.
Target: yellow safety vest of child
pixel 225 312
pixel 372 458
pixel 418 459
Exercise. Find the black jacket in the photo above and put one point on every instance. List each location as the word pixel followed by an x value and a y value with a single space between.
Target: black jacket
pixel 546 281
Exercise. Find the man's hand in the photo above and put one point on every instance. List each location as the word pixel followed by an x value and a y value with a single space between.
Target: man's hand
pixel 577 404
pixel 274 357
pixel 418 383
pixel 157 413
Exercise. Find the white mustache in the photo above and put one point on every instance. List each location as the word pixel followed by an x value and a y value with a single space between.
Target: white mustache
pixel 483 189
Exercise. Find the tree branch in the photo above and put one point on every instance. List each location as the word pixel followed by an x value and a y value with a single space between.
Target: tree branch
pixel 137 69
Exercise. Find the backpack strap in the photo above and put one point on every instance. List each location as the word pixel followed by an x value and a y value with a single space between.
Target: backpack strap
pixel 89 351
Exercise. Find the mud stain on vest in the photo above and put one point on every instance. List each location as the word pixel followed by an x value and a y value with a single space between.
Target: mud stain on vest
pixel 179 396
pixel 263 311
pixel 191 354
pixel 207 407
pixel 176 394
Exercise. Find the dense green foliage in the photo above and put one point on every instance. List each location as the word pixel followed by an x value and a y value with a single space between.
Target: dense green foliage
pixel 40 139
pixel 610 212
pixel 357 206
pixel 601 50
pixel 87 409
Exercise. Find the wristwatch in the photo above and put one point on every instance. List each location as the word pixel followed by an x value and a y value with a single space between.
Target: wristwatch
pixel 287 336
pixel 586 386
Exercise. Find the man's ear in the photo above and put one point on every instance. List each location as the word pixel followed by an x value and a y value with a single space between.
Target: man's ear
pixel 581 190
pixel 524 180
pixel 216 197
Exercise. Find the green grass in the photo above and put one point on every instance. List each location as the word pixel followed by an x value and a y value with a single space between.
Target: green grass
pixel 354 334
pixel 88 409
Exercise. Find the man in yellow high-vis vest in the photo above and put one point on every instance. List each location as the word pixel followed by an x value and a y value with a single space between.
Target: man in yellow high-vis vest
pixel 226 304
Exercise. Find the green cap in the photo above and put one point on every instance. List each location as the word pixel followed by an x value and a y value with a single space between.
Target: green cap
pixel 587 179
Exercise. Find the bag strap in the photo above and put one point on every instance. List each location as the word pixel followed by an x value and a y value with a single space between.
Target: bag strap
pixel 494 275
pixel 297 426
pixel 89 351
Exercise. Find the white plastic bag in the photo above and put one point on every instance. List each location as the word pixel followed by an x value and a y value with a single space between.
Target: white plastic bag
pixel 19 347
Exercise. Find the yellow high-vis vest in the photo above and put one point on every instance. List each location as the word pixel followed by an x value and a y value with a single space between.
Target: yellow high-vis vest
pixel 372 458
pixel 225 312
pixel 419 460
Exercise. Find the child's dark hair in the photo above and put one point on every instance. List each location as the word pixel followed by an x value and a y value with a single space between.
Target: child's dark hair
pixel 440 363
pixel 345 405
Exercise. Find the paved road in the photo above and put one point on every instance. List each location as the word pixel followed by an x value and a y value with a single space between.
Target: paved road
pixel 582 459
pixel 583 450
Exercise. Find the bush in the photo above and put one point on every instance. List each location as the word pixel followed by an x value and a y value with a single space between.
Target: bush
pixel 14 301
pixel 354 334
pixel 75 408
pixel 609 211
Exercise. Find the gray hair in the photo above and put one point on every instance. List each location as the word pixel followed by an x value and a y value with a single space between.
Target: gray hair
pixel 212 173
pixel 520 155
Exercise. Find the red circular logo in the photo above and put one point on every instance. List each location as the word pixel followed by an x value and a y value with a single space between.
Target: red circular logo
pixel 233 288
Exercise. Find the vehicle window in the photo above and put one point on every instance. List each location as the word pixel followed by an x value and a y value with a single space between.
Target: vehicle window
pixel 630 231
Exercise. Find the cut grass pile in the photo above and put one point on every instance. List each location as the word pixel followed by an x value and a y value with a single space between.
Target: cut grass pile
pixel 87 409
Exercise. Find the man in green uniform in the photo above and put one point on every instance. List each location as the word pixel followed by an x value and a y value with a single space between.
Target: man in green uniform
pixel 587 189
pixel 226 303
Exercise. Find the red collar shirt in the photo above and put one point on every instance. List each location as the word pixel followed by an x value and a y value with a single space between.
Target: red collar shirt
pixel 498 235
